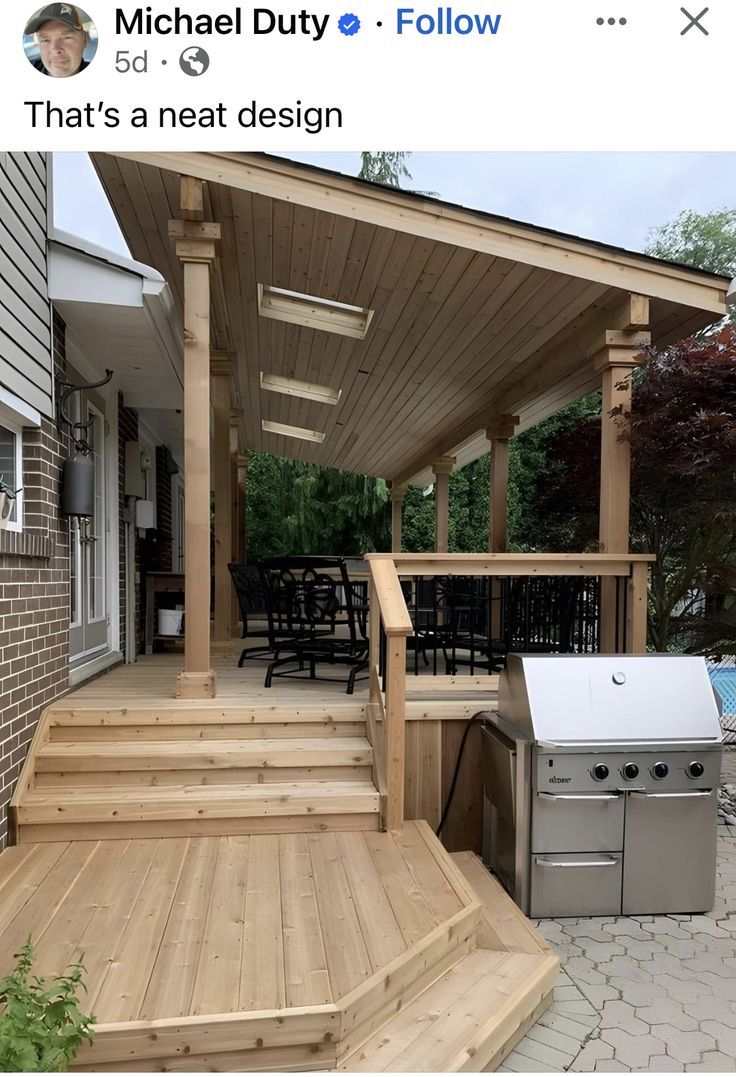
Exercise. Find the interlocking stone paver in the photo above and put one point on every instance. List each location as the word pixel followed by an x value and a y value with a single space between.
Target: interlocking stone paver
pixel 724 1035
pixel 600 951
pixel 626 968
pixel 663 1064
pixel 666 1011
pixel 584 971
pixel 682 948
pixel 683 990
pixel 594 1051
pixel 643 993
pixel 644 949
pixel 684 1046
pixel 633 1051
pixel 714 1062
pixel 712 1009
pixel 598 994
pixel 622 1015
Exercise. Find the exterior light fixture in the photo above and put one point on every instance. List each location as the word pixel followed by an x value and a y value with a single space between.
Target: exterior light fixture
pixel 313 312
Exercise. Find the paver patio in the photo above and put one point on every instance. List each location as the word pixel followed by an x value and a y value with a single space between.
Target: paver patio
pixel 654 993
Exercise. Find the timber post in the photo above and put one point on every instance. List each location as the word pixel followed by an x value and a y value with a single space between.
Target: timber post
pixel 221 370
pixel 196 249
pixel 620 351
pixel 397 505
pixel 499 431
pixel 442 469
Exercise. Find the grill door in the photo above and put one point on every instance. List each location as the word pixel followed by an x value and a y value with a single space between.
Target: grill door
pixel 669 852
pixel 578 822
pixel 576 884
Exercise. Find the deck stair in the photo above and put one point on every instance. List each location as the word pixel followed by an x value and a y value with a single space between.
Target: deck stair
pixel 182 769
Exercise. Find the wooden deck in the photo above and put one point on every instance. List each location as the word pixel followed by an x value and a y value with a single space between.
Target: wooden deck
pixel 221 865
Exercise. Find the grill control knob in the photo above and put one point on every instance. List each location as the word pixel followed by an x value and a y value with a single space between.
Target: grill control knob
pixel 630 771
pixel 600 772
pixel 695 769
pixel 660 770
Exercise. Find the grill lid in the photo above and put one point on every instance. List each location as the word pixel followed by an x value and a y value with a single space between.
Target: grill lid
pixel 594 699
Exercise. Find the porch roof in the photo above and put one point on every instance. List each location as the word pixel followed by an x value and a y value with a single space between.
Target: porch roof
pixel 474 315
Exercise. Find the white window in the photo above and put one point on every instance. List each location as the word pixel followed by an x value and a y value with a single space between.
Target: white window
pixel 11 469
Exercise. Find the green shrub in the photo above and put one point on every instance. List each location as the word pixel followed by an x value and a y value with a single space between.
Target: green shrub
pixel 41 1027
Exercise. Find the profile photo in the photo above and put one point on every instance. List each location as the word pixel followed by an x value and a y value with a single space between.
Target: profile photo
pixel 60 40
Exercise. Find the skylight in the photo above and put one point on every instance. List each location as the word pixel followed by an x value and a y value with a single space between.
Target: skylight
pixel 308 390
pixel 315 313
pixel 292 431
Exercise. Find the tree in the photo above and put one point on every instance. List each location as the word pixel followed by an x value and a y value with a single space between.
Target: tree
pixel 703 240
pixel 682 430
pixel 387 167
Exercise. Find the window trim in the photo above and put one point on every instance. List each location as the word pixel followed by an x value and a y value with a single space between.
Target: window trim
pixel 17 431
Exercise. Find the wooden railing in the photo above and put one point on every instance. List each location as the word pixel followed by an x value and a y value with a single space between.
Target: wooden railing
pixel 621 620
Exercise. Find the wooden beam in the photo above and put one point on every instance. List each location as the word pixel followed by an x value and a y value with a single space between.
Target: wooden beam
pixel 191 197
pixel 395 730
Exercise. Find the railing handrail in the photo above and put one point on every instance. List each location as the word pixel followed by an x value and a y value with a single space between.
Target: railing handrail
pixel 510 564
pixel 391 601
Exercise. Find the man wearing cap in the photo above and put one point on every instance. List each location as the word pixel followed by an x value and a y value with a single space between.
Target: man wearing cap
pixel 61 39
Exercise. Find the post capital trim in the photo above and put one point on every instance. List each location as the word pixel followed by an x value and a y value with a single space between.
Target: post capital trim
pixel 397 491
pixel 221 366
pixel 501 427
pixel 444 465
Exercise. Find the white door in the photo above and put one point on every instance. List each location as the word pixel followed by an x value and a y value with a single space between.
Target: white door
pixel 88 549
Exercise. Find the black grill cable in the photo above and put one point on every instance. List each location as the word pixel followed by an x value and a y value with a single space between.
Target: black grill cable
pixel 451 794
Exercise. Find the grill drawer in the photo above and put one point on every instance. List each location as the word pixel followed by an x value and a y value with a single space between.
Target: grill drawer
pixel 576 884
pixel 578 822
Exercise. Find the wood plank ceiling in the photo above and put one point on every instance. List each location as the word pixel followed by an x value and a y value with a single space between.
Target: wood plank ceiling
pixel 457 335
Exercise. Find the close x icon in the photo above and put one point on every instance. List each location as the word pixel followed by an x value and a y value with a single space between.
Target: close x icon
pixel 694 21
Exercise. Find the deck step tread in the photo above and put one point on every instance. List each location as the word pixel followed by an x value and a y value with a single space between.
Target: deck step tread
pixel 505 926
pixel 115 755
pixel 464 1020
pixel 184 712
pixel 125 804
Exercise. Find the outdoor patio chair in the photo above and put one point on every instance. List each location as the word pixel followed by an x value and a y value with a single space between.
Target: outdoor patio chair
pixel 464 625
pixel 312 617
pixel 249 590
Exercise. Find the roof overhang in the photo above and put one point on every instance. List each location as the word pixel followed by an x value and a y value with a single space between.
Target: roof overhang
pixel 474 315
pixel 124 316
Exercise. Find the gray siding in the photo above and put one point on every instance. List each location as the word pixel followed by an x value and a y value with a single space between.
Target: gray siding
pixel 25 326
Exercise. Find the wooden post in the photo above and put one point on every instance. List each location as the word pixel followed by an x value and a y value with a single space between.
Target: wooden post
pixel 442 469
pixel 234 523
pixel 221 371
pixel 636 613
pixel 397 504
pixel 620 352
pixel 500 429
pixel 395 730
pixel 195 248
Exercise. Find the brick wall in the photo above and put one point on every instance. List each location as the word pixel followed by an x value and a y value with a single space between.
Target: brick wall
pixel 34 601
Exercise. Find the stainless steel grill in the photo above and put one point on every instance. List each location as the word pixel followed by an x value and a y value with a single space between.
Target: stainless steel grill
pixel 601 783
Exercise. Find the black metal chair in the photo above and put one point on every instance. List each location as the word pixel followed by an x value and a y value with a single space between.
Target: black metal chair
pixel 464 615
pixel 249 590
pixel 312 617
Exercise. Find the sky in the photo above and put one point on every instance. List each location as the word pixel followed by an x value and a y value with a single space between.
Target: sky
pixel 610 197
